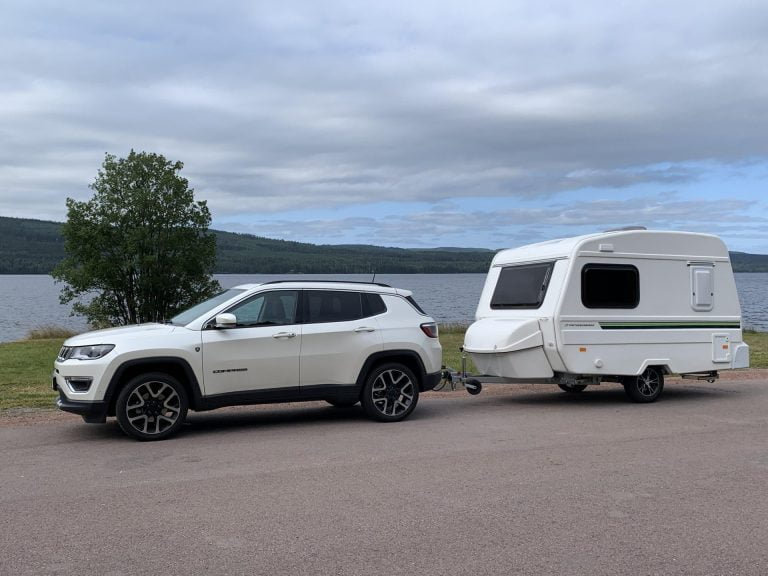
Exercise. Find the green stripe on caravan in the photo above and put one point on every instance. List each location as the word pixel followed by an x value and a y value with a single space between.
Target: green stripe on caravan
pixel 666 325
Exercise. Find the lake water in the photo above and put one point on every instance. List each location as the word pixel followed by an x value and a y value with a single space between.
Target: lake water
pixel 32 301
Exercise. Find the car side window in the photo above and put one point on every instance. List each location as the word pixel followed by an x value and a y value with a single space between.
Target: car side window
pixel 268 309
pixel 373 304
pixel 331 306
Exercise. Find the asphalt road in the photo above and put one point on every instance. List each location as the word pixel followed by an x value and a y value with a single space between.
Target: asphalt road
pixel 519 481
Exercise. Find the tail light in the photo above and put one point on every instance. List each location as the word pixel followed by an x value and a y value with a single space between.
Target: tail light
pixel 430 329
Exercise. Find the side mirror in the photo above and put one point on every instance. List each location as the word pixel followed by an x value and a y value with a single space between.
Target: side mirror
pixel 225 321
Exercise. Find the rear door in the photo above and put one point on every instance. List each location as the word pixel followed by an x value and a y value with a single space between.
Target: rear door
pixel 339 333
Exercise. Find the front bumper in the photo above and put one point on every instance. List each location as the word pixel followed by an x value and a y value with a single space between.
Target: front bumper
pixel 92 412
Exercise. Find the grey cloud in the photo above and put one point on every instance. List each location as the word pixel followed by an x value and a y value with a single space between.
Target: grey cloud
pixel 277 107
pixel 448 226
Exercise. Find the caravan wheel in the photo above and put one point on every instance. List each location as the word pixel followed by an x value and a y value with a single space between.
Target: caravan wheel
pixel 645 388
pixel 573 388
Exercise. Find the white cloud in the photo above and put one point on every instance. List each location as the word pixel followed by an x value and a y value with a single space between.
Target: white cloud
pixel 449 225
pixel 298 105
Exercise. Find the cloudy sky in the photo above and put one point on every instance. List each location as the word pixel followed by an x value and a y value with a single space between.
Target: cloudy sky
pixel 400 123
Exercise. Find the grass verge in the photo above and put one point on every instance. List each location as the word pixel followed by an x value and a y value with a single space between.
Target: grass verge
pixel 26 366
pixel 758 348
pixel 452 339
pixel 25 373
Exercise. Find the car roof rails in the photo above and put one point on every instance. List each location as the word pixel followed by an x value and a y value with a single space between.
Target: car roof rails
pixel 330 282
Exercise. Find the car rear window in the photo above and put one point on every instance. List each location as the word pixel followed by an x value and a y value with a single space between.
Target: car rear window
pixel 415 304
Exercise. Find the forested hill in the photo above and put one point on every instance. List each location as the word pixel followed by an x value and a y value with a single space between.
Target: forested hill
pixel 743 262
pixel 36 247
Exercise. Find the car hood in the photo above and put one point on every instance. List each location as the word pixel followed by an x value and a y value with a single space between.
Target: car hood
pixel 113 335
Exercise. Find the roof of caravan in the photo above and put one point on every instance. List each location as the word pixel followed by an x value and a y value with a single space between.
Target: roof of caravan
pixel 627 242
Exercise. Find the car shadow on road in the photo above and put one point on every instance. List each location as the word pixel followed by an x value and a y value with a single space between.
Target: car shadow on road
pixel 258 417
pixel 269 417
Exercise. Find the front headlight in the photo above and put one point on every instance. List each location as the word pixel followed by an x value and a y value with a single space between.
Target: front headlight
pixel 85 352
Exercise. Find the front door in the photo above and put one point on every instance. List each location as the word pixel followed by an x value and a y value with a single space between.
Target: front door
pixel 261 352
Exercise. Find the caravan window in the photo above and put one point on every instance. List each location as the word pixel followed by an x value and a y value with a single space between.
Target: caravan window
pixel 522 286
pixel 610 286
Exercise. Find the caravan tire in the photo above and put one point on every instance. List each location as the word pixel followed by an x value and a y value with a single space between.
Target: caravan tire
pixel 572 388
pixel 645 388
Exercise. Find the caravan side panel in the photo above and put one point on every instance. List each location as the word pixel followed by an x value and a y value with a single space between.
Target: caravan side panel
pixel 679 311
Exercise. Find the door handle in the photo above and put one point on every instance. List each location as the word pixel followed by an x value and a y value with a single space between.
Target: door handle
pixel 364 329
pixel 284 335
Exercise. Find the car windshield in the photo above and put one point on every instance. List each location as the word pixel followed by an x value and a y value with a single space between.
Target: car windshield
pixel 196 311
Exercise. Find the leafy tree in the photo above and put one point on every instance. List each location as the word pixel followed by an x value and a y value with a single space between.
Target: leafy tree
pixel 140 246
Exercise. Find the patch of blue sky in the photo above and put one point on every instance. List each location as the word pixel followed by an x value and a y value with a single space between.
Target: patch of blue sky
pixel 714 198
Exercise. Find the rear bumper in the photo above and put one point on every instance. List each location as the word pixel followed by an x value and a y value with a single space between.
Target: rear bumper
pixel 92 412
pixel 430 381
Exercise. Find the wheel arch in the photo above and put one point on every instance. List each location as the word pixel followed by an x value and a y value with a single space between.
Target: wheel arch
pixel 642 389
pixel 174 366
pixel 407 358
pixel 661 365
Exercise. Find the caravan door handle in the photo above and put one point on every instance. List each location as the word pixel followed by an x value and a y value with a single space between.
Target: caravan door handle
pixel 364 329
pixel 280 335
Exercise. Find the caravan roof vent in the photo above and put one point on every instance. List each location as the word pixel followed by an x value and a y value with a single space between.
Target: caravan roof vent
pixel 627 229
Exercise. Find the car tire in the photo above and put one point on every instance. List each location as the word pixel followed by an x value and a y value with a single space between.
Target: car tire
pixel 645 388
pixel 152 406
pixel 391 393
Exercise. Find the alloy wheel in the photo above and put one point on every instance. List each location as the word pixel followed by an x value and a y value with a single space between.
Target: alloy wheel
pixel 393 392
pixel 153 407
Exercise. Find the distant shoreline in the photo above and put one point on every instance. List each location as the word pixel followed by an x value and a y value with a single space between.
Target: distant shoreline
pixel 37 246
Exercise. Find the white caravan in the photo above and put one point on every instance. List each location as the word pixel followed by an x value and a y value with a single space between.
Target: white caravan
pixel 625 306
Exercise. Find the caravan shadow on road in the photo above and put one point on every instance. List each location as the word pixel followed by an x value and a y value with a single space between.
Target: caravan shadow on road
pixel 614 394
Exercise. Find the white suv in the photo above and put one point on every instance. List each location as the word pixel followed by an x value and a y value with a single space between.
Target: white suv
pixel 252 344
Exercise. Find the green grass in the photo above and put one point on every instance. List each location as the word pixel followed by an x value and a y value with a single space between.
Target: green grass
pixel 25 373
pixel 451 339
pixel 26 366
pixel 758 348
